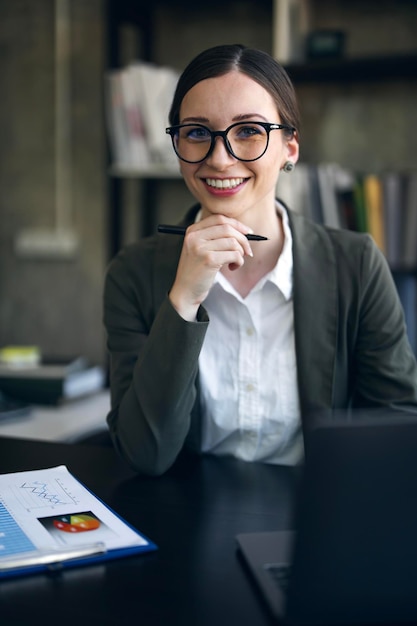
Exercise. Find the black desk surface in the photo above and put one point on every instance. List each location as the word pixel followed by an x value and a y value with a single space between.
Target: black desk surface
pixel 192 513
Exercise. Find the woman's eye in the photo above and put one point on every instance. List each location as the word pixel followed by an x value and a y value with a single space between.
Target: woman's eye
pixel 250 131
pixel 200 134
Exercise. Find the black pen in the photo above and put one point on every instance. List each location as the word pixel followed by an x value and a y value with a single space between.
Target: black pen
pixel 180 230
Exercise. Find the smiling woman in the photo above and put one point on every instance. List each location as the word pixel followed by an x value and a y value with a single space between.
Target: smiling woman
pixel 224 341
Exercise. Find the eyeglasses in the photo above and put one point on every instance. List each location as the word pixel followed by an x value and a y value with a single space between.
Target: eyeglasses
pixel 245 141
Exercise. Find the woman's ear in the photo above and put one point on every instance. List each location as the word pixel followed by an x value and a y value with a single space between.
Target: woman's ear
pixel 292 148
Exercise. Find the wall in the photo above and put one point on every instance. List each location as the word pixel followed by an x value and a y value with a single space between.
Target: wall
pixel 365 126
pixel 181 34
pixel 55 304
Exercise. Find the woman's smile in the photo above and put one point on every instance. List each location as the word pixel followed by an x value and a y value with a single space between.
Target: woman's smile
pixel 224 183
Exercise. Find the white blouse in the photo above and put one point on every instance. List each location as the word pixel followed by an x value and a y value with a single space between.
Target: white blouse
pixel 248 369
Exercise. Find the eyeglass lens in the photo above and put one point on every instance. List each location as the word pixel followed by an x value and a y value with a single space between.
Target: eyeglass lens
pixel 246 141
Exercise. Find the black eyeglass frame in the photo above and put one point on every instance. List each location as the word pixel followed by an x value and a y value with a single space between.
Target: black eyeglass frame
pixel 268 126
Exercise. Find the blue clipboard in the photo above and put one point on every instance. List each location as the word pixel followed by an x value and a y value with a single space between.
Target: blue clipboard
pixel 19 556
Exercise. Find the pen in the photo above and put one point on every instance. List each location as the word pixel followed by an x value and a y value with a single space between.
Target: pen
pixel 180 230
pixel 51 558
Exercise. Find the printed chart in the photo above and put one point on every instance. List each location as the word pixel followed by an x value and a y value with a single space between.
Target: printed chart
pixel 38 494
pixel 12 538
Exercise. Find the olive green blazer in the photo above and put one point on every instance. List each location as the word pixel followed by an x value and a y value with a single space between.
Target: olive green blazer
pixel 350 337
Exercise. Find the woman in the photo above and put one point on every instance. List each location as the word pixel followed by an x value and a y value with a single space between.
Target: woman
pixel 226 344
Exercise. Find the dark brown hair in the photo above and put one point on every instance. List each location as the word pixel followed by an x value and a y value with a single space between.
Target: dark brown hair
pixel 256 64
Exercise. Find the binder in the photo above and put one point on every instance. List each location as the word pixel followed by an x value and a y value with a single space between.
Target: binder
pixel 50 521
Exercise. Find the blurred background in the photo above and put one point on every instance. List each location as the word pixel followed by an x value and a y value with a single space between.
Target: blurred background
pixel 67 205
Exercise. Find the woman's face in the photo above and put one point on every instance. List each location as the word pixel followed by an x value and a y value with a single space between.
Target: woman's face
pixel 222 183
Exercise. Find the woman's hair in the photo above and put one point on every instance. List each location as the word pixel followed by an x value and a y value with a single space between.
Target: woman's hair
pixel 256 64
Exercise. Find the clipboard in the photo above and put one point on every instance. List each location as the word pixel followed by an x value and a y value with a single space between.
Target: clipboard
pixel 50 521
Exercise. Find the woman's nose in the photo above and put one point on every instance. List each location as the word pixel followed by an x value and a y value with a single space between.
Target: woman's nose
pixel 220 156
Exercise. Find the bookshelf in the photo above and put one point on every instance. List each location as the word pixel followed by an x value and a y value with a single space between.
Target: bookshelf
pixel 376 71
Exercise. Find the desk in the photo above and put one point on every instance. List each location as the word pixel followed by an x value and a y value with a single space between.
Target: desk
pixel 192 513
pixel 67 422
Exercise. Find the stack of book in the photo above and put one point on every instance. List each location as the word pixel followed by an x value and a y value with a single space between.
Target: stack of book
pixel 384 205
pixel 51 381
pixel 137 103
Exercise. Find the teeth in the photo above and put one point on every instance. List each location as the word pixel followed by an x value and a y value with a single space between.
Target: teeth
pixel 227 183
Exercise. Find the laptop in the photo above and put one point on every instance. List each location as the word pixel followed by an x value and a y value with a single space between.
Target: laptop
pixel 352 556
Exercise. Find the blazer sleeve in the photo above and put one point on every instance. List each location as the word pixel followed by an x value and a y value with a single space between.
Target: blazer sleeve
pixel 384 363
pixel 153 367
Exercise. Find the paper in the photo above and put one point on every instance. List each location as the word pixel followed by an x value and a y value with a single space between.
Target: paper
pixel 50 510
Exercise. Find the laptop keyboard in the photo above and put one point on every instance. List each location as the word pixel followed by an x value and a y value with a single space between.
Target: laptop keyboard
pixel 279 573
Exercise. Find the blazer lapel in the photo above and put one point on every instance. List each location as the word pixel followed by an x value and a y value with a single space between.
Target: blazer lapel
pixel 315 312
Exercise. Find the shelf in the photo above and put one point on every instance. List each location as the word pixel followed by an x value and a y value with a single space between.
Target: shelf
pixel 362 69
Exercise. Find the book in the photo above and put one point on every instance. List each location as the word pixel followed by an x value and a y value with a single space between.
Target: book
pixel 138 145
pixel 333 181
pixel 49 520
pixel 52 381
pixel 346 204
pixel 116 119
pixel 409 259
pixel 327 195
pixel 393 194
pixel 360 207
pixel 155 86
pixel 20 355
pixel 373 199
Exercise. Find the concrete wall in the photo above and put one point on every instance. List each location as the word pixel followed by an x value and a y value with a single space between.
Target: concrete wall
pixel 364 126
pixel 54 303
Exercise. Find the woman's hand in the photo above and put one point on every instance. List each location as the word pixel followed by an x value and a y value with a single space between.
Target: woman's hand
pixel 208 245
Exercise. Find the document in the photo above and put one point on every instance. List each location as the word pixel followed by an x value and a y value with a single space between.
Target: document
pixel 49 520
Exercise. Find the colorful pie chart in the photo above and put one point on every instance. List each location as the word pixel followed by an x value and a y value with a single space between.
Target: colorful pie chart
pixel 76 523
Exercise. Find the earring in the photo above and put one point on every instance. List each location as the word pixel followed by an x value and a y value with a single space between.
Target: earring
pixel 288 167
